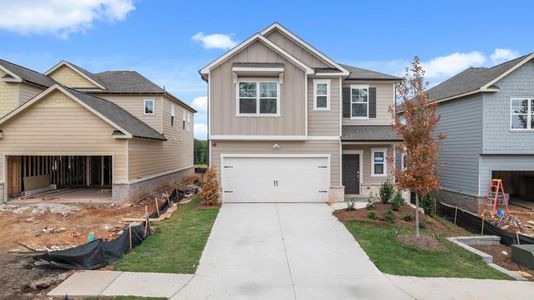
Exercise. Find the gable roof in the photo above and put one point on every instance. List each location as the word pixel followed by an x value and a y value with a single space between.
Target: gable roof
pixel 81 71
pixel 25 74
pixel 107 110
pixel 364 74
pixel 475 80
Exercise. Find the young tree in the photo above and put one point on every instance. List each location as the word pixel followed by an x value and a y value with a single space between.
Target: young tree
pixel 421 145
pixel 210 189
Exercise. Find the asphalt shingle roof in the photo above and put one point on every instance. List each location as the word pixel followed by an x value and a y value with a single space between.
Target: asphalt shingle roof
pixel 127 82
pixel 118 115
pixel 28 74
pixel 369 133
pixel 470 80
pixel 86 73
pixel 364 74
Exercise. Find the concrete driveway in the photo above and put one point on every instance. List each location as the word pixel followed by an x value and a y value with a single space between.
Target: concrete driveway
pixel 285 251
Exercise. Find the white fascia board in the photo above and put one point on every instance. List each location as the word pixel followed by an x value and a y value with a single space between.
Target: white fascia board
pixel 527 59
pixel 305 45
pixel 15 77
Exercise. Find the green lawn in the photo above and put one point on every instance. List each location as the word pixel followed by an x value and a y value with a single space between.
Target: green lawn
pixel 391 257
pixel 176 246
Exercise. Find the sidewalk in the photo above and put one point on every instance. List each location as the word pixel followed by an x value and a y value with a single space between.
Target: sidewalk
pixel 113 283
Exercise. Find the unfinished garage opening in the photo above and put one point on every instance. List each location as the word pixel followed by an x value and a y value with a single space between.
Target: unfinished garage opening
pixel 58 176
pixel 519 185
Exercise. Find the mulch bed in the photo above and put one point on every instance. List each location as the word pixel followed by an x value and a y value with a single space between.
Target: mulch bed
pixel 505 261
pixel 422 242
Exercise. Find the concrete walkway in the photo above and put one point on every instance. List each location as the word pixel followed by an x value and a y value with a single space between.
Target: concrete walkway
pixel 112 283
pixel 285 251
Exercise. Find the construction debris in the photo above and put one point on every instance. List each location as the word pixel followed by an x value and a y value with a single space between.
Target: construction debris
pixel 511 222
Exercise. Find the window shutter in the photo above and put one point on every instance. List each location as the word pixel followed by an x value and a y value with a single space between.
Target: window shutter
pixel 346 102
pixel 372 102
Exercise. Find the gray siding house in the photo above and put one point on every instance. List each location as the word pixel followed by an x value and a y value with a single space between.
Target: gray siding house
pixel 488 116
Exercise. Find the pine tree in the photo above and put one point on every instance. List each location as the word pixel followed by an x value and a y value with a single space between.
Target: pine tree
pixel 210 189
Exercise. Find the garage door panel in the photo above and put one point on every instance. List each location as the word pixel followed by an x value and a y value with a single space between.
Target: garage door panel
pixel 275 179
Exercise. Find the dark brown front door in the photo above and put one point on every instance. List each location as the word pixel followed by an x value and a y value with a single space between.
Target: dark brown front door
pixel 351 173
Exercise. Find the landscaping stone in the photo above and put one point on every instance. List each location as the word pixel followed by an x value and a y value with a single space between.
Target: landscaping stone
pixel 523 255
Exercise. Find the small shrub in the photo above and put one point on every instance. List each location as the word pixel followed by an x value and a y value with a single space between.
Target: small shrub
pixel 389 216
pixel 397 202
pixel 371 215
pixel 407 218
pixel 350 203
pixel 428 203
pixel 210 190
pixel 422 224
pixel 370 204
pixel 386 192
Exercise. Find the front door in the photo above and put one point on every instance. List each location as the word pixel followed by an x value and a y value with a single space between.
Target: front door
pixel 351 173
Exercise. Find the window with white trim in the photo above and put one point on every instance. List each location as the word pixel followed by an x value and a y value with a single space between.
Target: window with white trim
pixel 184 121
pixel 188 124
pixel 257 98
pixel 359 101
pixel 522 114
pixel 149 106
pixel 321 94
pixel 173 114
pixel 378 162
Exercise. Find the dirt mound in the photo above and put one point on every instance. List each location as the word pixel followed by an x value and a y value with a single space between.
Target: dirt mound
pixel 421 242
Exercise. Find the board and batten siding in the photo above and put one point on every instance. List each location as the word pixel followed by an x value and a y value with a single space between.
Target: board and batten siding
pixel 461 121
pixel 223 98
pixel 70 78
pixel 27 91
pixel 498 138
pixel 266 148
pixel 8 95
pixel 135 105
pixel 57 125
pixel 324 122
pixel 385 94
pixel 288 44
pixel 148 157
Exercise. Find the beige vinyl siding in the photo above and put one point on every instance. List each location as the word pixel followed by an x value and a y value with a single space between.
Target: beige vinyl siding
pixel 57 125
pixel 223 98
pixel 256 147
pixel 70 78
pixel 8 95
pixel 367 179
pixel 135 105
pixel 150 157
pixel 301 53
pixel 27 91
pixel 324 122
pixel 384 100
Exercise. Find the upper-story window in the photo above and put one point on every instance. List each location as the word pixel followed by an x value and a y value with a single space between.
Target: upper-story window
pixel 359 101
pixel 149 107
pixel 378 157
pixel 258 97
pixel 321 94
pixel 522 114
pixel 173 114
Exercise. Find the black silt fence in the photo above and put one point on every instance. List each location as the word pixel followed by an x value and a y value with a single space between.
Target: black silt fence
pixel 473 223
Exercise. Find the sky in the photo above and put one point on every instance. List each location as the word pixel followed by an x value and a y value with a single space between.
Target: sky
pixel 169 41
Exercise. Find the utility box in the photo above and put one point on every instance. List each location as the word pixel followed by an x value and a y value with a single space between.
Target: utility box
pixel 523 255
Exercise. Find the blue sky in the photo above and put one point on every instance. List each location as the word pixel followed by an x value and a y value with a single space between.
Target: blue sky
pixel 169 41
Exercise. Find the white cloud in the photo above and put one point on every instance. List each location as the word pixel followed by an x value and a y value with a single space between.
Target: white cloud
pixel 200 103
pixel 201 131
pixel 453 63
pixel 217 40
pixel 501 55
pixel 60 17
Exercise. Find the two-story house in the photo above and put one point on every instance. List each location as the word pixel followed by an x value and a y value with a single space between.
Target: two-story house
pixel 70 129
pixel 488 116
pixel 289 124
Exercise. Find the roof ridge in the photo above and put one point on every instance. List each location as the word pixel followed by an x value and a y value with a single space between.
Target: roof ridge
pixel 21 66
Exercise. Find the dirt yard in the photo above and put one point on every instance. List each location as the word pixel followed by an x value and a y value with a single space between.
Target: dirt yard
pixel 502 256
pixel 51 226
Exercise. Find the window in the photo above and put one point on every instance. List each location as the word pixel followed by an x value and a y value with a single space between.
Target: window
pixel 522 114
pixel 173 114
pixel 183 119
pixel 149 106
pixel 359 102
pixel 188 124
pixel 404 166
pixel 378 163
pixel 257 98
pixel 321 94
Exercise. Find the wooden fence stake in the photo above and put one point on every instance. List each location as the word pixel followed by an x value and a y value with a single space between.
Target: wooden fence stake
pixel 455 214
pixel 146 221
pixel 130 235
pixel 157 208
pixel 517 237
pixel 482 231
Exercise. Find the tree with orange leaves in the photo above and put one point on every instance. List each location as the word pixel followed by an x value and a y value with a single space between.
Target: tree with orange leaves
pixel 421 145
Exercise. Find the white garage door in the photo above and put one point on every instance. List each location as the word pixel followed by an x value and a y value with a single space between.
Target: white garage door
pixel 275 179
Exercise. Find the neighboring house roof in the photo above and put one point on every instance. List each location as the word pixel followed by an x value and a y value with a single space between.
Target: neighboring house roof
pixel 364 74
pixel 475 80
pixel 107 110
pixel 369 133
pixel 26 74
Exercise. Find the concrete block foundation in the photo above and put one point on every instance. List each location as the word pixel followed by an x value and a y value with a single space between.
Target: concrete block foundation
pixel 466 202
